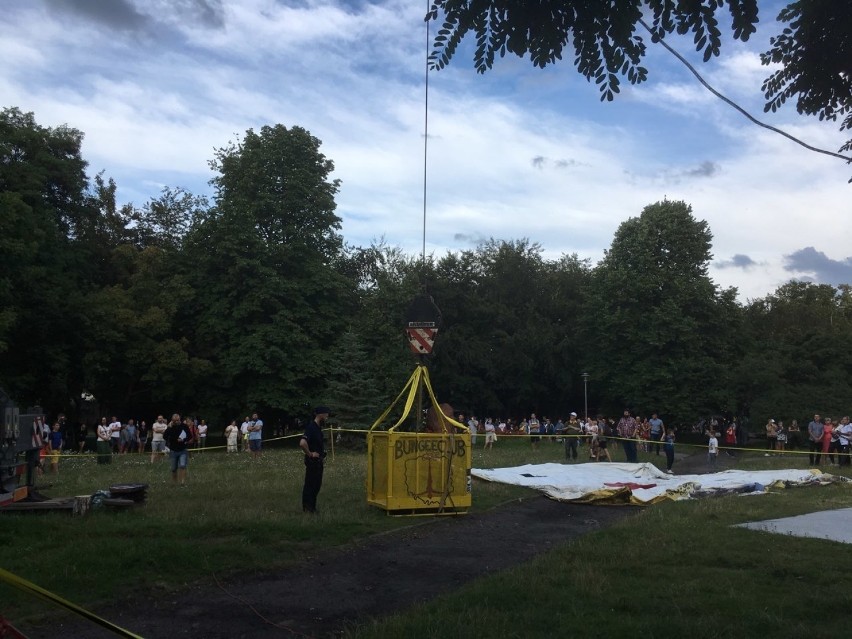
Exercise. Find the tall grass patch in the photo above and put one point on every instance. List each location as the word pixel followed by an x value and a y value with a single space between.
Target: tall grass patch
pixel 237 515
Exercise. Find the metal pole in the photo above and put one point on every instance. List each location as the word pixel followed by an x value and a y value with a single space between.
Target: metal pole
pixel 586 395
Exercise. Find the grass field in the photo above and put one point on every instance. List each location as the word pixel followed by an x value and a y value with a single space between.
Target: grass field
pixel 675 567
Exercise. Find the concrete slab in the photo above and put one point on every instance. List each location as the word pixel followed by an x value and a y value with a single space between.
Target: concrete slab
pixel 835 525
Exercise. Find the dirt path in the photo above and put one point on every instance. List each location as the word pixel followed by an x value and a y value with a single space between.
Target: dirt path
pixel 374 577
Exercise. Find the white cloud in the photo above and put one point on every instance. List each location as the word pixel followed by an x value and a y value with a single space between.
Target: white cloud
pixel 155 105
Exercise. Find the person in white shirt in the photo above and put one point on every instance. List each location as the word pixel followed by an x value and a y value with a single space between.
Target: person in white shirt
pixel 592 430
pixel 158 443
pixel 490 435
pixel 255 435
pixel 712 449
pixel 202 434
pixel 115 434
pixel 244 430
pixel 104 451
pixel 845 432
pixel 473 426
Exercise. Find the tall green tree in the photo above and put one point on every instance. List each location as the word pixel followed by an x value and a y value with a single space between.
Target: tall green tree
pixel 269 307
pixel 353 391
pixel 45 208
pixel 166 220
pixel 794 364
pixel 662 333
pixel 509 345
pixel 137 359
pixel 386 281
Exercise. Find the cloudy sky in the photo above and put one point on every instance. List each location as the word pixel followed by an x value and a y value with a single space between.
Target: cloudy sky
pixel 157 85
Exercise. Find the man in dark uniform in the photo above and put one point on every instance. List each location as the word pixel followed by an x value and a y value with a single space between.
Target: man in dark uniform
pixel 314 448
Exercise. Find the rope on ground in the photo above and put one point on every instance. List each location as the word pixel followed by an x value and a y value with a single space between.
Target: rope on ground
pixel 252 608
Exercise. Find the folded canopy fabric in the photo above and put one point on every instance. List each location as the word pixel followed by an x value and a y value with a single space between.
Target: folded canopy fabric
pixel 642 484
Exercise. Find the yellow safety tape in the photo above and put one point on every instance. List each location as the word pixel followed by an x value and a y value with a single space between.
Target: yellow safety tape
pixel 420 375
pixel 33 589
pixel 416 380
pixel 381 418
pixel 650 442
pixel 72 455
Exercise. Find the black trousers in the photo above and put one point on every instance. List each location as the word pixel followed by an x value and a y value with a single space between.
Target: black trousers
pixel 815 452
pixel 313 483
pixel 571 444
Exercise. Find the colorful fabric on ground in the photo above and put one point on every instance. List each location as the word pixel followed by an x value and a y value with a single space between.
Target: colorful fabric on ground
pixel 643 483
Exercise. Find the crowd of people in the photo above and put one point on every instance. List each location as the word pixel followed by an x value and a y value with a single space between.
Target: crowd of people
pixel 573 431
pixel 176 438
pixel 120 437
pixel 594 433
pixel 829 441
pixel 130 436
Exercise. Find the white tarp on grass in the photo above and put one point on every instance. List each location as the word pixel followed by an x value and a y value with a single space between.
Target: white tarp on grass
pixel 835 525
pixel 642 483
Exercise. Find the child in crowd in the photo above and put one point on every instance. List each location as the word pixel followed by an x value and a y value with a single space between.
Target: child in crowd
pixel 668 447
pixel 55 447
pixel 712 449
pixel 781 437
pixel 603 451
pixel 592 432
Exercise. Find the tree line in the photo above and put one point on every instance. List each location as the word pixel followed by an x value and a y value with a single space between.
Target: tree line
pixel 254 301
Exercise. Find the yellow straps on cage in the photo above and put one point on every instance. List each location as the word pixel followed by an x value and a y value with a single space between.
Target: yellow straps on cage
pixel 419 377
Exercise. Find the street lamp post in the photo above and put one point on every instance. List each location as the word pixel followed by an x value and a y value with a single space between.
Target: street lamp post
pixel 585 377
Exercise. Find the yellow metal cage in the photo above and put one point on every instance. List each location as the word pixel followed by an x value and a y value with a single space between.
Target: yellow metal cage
pixel 419 472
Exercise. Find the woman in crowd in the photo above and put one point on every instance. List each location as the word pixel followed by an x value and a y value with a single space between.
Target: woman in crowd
pixel 730 438
pixel 781 438
pixel 771 435
pixel 827 432
pixel 645 433
pixel 104 448
pixel 592 431
pixel 231 433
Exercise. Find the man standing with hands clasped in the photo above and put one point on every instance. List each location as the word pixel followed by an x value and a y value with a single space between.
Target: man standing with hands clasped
pixel 815 429
pixel 314 448
pixel 255 436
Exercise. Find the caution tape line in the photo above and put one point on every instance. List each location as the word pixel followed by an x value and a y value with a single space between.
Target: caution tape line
pixel 31 588
pixel 580 438
pixel 72 455
pixel 649 442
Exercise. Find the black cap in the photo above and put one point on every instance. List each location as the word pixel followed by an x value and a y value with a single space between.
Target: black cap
pixel 319 410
